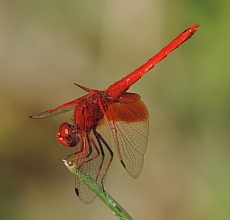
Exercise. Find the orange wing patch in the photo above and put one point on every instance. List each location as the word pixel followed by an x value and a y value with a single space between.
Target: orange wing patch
pixel 129 109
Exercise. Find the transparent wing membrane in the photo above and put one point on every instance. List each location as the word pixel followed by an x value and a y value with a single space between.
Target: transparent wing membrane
pixel 128 121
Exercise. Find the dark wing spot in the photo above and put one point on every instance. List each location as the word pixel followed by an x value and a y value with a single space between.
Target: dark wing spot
pixel 77 191
pixel 122 162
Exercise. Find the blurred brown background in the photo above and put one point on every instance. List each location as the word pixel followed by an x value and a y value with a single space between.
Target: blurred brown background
pixel 46 46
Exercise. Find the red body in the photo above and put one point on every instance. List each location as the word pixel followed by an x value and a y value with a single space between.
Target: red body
pixel 114 114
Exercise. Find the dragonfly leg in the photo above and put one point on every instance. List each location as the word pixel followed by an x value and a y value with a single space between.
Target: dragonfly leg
pixel 101 139
pixel 91 143
pixel 80 153
pixel 86 152
pixel 73 154
pixel 102 154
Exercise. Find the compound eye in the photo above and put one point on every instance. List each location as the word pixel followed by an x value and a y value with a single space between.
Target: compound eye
pixel 65 130
pixel 67 136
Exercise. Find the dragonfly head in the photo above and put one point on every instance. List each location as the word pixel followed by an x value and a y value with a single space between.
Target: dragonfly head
pixel 67 136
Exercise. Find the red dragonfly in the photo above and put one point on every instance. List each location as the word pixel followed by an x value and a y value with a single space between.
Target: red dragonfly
pixel 114 114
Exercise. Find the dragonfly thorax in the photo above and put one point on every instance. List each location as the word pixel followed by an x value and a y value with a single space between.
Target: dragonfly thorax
pixel 91 109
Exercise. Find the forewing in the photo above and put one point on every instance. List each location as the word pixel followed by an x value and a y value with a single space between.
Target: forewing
pixel 56 111
pixel 128 120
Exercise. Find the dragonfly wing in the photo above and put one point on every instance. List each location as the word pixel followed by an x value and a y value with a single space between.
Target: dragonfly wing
pixel 128 120
pixel 56 111
pixel 95 165
pixel 82 191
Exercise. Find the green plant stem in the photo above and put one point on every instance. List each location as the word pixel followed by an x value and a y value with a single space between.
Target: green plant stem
pixel 98 191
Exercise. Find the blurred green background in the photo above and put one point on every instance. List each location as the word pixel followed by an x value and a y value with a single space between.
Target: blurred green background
pixel 46 46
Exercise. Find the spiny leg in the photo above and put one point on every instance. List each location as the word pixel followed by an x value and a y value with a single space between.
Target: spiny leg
pixel 102 153
pixel 100 138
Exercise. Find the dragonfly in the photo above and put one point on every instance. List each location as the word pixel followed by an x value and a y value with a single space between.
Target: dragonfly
pixel 101 118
